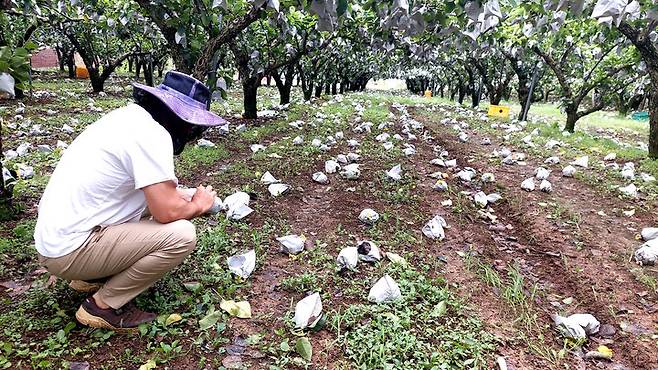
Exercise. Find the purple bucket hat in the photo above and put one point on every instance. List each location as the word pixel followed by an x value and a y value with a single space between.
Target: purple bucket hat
pixel 186 97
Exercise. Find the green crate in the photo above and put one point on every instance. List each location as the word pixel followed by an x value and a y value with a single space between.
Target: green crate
pixel 640 116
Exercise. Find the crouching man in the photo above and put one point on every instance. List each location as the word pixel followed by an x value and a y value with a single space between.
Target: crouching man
pixel 91 227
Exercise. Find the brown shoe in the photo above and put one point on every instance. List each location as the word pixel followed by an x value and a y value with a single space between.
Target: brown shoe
pixel 126 318
pixel 86 286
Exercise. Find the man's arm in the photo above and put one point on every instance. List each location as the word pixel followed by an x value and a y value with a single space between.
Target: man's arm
pixel 166 205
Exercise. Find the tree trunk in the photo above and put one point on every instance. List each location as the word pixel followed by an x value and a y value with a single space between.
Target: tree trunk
pixel 60 59
pixel 138 68
pixel 327 88
pixel 148 73
pixel 653 123
pixel 130 64
pixel 94 77
pixel 283 87
pixel 462 94
pixel 70 63
pixel 572 117
pixel 318 90
pixel 250 91
pixel 522 91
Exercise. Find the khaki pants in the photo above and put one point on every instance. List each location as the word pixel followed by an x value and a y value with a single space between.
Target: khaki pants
pixel 133 256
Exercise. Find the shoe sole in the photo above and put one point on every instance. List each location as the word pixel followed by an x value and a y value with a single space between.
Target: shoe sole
pixel 87 319
pixel 84 287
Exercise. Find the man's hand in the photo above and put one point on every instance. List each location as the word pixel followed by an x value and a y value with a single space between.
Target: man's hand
pixel 204 197
pixel 166 204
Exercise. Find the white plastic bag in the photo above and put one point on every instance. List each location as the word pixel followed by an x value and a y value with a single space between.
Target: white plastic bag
pixel 488 177
pixel 581 162
pixel 347 258
pixel 292 244
pixel 528 184
pixel 395 173
pixel 351 172
pixel 440 185
pixel 298 140
pixel 24 171
pixel 7 84
pixel 649 233
pixel 320 178
pixel 480 199
pixel 256 147
pixel 545 186
pixel 368 251
pixel 630 190
pixel 467 174
pixel 493 198
pixel 203 143
pixel 331 166
pixel 610 157
pixel 268 179
pixel 434 228
pixel 242 265
pixel 463 137
pixel 647 253
pixel 568 171
pixel 577 326
pixel 369 216
pixel 552 160
pixel 353 157
pixel 385 290
pixel 308 311
pixel 541 173
pixel 278 189
pixel 237 206
pixel 316 143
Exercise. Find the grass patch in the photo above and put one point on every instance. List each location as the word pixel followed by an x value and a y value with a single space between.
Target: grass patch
pixel 193 157
pixel 429 328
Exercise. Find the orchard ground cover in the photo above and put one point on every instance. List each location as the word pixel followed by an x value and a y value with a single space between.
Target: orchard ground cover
pixel 487 290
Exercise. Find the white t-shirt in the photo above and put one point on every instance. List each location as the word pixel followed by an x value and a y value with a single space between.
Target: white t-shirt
pixel 97 181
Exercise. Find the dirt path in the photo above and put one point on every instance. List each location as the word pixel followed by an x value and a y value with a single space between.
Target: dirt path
pixel 588 262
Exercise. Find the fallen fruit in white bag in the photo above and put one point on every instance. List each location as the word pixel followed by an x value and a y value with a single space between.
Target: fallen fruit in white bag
pixel 320 178
pixel 331 166
pixel 369 216
pixel 385 290
pixel 368 251
pixel 268 179
pixel 351 172
pixel 308 311
pixel 242 264
pixel 434 228
pixel 395 173
pixel 528 184
pixel 647 254
pixel 277 189
pixel 347 258
pixel 568 171
pixel 577 326
pixel 292 244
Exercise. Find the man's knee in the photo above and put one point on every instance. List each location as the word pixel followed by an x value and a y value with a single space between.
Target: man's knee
pixel 185 233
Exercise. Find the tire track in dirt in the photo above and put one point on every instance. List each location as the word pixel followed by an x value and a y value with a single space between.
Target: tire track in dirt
pixel 593 275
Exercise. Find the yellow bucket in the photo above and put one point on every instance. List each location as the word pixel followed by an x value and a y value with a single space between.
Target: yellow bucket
pixel 81 72
pixel 499 111
pixel 428 93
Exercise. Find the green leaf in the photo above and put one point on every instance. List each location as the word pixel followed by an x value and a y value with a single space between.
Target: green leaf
pixel 440 309
pixel 210 319
pixel 304 348
pixel 284 346
pixel 342 7
pixel 149 365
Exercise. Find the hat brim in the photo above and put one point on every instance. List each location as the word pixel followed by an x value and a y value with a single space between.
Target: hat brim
pixel 187 112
